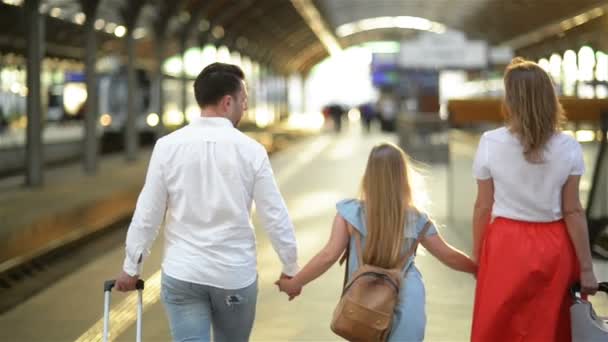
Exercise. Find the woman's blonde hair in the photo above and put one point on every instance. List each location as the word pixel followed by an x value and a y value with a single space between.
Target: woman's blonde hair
pixel 386 194
pixel 532 109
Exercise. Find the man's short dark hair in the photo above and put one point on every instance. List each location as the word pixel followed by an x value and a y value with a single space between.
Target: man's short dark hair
pixel 216 81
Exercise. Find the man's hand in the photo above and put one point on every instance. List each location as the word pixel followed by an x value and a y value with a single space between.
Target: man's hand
pixel 125 282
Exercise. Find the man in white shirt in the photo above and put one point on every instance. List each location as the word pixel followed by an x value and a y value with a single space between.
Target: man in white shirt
pixel 202 180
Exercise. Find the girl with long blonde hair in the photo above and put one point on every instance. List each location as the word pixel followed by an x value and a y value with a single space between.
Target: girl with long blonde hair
pixel 529 228
pixel 388 222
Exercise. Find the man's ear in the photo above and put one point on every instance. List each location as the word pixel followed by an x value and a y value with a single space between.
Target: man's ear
pixel 227 100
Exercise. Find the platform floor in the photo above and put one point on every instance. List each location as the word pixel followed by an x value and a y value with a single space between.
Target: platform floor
pixel 313 175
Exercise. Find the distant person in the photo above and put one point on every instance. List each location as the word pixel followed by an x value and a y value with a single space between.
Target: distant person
pixel 368 114
pixel 529 228
pixel 388 114
pixel 388 223
pixel 202 179
pixel 336 112
pixel 3 121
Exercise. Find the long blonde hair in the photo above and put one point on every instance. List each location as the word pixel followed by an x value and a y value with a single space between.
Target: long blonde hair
pixel 532 109
pixel 386 194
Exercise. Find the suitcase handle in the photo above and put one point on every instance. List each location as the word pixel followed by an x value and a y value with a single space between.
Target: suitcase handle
pixel 108 285
pixel 576 288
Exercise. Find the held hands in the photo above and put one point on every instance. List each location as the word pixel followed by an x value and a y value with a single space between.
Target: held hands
pixel 288 285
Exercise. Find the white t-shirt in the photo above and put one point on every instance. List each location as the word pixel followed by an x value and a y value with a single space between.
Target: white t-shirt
pixel 522 190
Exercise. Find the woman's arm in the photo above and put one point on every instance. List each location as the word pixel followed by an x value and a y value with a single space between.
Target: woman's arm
pixel 482 212
pixel 576 222
pixel 448 255
pixel 321 262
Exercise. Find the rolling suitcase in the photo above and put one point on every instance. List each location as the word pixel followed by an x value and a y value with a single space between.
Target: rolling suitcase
pixel 587 326
pixel 107 290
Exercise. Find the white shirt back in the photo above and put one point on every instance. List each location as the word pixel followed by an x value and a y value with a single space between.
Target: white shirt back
pixel 522 190
pixel 205 177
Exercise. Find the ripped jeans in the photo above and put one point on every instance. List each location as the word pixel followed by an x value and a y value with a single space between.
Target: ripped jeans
pixel 195 309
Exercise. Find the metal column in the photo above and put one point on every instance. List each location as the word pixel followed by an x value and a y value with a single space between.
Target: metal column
pixel 90 150
pixel 34 146
pixel 131 136
pixel 158 84
pixel 597 206
pixel 184 93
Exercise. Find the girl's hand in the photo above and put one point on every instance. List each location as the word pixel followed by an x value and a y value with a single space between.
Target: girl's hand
pixel 290 287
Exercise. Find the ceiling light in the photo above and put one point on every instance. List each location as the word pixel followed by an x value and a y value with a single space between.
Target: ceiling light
pixel 80 18
pixel 110 27
pixel 99 24
pixel 120 31
pixel 55 12
pixel 401 22
pixel 585 135
pixel 152 119
pixel 217 32
pixel 13 2
pixel 139 33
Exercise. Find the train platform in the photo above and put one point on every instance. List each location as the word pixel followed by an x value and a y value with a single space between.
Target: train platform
pixel 313 174
pixel 431 71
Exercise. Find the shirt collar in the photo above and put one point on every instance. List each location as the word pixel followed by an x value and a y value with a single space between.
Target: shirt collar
pixel 215 121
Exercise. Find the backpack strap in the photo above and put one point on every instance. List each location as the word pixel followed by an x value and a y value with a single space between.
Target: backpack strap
pixel 358 246
pixel 414 247
pixel 346 255
pixel 342 259
pixel 357 236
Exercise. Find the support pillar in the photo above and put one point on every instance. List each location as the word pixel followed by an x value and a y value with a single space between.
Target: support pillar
pixel 91 143
pixel 184 88
pixel 131 135
pixel 158 84
pixel 34 146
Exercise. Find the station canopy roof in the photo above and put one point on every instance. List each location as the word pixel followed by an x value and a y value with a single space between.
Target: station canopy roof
pixel 286 35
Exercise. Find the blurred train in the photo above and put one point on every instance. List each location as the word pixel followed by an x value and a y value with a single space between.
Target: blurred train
pixel 67 101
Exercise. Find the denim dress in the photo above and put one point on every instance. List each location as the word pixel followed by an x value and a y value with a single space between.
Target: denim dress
pixel 409 321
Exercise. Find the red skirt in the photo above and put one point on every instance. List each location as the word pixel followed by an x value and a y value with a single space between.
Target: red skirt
pixel 525 270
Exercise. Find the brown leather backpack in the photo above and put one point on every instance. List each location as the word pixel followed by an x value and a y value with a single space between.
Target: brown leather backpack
pixel 365 310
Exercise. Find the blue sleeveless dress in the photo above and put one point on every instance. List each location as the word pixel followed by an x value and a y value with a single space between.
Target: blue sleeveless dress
pixel 409 321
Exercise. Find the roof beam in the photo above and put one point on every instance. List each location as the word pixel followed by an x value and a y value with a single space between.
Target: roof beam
pixel 313 18
pixel 556 28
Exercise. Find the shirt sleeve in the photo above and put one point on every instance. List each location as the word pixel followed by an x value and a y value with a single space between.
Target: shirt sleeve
pixel 423 218
pixel 148 216
pixel 350 210
pixel 481 169
pixel 578 163
pixel 273 214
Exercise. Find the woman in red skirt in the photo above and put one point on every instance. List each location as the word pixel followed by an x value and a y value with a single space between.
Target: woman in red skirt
pixel 529 228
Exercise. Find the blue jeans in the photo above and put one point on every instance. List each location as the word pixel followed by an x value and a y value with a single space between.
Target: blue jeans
pixel 194 309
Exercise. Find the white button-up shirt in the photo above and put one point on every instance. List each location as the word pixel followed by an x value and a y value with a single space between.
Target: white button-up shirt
pixel 202 180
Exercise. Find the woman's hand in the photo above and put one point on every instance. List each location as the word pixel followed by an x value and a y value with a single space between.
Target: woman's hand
pixel 588 282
